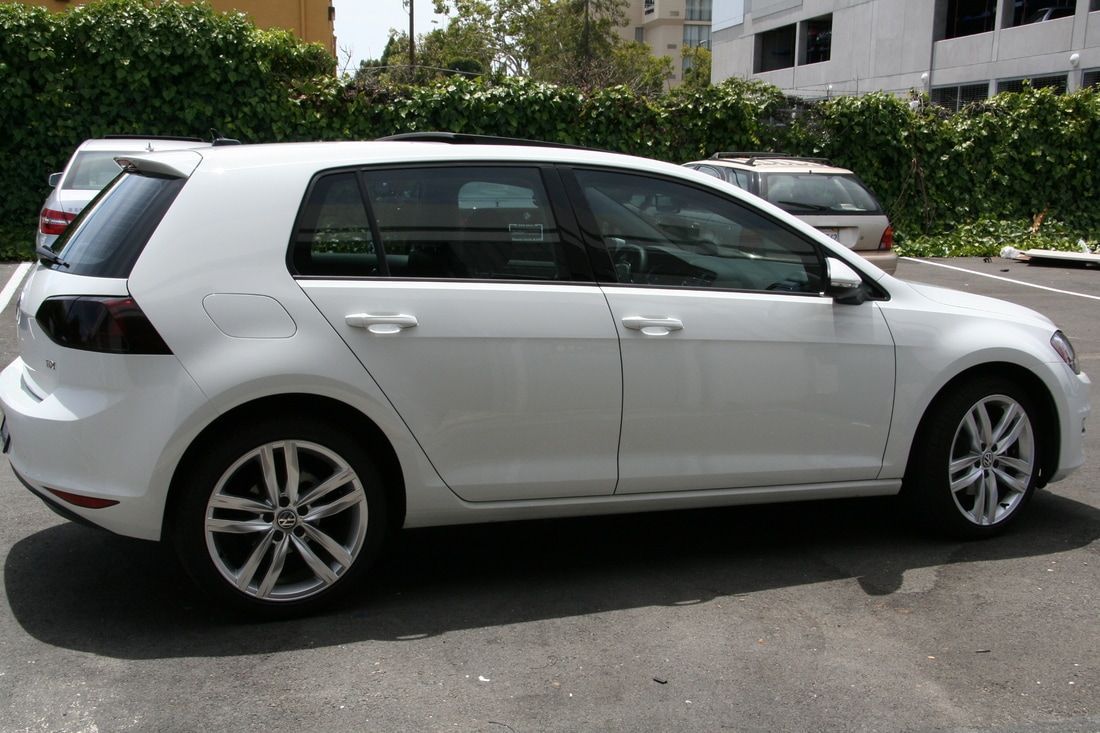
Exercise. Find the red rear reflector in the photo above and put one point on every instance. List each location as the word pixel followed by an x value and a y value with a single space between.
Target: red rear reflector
pixel 52 221
pixel 88 502
pixel 887 241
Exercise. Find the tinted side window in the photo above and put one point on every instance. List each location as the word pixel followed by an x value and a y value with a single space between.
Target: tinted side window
pixel 108 237
pixel 477 223
pixel 333 236
pixel 710 170
pixel 664 233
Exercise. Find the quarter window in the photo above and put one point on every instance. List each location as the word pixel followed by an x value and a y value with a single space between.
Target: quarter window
pixel 667 234
pixel 334 235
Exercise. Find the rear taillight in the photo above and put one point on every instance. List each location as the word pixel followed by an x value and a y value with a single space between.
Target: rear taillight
pixel 887 241
pixel 94 323
pixel 52 221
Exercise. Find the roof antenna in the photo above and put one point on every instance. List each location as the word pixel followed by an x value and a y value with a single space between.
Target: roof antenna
pixel 217 139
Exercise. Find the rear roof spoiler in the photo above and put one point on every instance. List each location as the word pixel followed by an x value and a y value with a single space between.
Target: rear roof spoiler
pixel 171 163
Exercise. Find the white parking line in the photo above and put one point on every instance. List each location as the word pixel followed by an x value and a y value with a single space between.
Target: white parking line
pixel 13 284
pixel 998 277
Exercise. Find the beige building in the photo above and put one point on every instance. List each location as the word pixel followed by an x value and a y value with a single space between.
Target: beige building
pixel 310 20
pixel 668 26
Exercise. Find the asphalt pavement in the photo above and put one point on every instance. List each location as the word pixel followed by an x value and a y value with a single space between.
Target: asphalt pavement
pixel 828 616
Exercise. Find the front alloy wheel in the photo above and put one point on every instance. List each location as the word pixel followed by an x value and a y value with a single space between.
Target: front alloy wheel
pixel 992 460
pixel 975 460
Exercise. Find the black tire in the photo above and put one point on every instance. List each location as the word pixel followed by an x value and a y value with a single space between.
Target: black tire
pixel 992 486
pixel 340 526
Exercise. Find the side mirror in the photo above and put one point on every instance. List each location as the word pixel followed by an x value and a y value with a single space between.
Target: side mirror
pixel 845 284
pixel 54 179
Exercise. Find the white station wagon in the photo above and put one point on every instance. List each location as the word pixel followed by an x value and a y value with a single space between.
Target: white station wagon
pixel 274 356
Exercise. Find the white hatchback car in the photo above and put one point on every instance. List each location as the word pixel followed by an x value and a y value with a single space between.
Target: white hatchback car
pixel 273 356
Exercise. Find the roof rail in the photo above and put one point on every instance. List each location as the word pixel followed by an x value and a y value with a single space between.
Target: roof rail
pixel 462 138
pixel 753 157
pixel 153 137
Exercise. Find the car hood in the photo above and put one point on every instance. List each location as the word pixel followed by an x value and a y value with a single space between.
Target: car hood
pixel 993 306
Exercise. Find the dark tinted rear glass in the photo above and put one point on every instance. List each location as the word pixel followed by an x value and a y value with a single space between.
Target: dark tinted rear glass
pixel 108 237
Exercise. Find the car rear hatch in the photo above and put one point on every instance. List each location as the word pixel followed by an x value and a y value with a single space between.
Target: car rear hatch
pixel 838 204
pixel 76 307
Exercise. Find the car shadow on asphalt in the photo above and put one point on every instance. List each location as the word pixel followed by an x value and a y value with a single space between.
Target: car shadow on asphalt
pixel 88 590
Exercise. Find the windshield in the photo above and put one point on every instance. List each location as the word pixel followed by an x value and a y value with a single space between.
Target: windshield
pixel 804 193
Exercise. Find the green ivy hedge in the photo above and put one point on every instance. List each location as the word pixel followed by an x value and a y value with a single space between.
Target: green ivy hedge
pixel 132 66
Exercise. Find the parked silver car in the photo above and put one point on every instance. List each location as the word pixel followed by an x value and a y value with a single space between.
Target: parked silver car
pixel 91 167
pixel 824 196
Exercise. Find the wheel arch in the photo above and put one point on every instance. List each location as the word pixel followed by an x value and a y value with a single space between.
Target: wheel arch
pixel 1037 389
pixel 330 410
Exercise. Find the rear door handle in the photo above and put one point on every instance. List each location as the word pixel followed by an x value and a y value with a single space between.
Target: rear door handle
pixel 659 326
pixel 381 324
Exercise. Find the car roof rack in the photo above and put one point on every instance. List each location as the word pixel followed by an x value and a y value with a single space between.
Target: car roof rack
pixel 463 138
pixel 153 137
pixel 751 158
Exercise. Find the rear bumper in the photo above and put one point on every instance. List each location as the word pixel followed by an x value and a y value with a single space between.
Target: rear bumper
pixel 53 504
pixel 117 442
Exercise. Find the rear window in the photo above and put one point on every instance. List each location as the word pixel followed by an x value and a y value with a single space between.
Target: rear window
pixel 92 171
pixel 109 235
pixel 809 193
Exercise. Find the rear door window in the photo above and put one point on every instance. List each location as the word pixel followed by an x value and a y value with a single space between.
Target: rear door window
pixel 466 223
pixel 110 234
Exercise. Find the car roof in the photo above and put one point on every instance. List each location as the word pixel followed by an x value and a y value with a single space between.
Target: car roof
pixel 325 155
pixel 775 165
pixel 139 144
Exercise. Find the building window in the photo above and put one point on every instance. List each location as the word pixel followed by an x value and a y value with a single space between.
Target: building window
pixel 1025 12
pixel 955 98
pixel 774 50
pixel 697 10
pixel 697 35
pixel 967 17
pixel 649 6
pixel 1094 6
pixel 639 34
pixel 817 34
pixel 1057 83
pixel 1090 79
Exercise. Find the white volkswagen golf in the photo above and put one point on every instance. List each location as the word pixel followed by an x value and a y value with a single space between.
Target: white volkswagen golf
pixel 274 356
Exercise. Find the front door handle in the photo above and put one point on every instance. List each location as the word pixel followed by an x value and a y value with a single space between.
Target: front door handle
pixel 381 324
pixel 658 326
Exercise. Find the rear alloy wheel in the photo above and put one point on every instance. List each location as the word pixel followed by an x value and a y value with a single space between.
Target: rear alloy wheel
pixel 281 517
pixel 977 459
